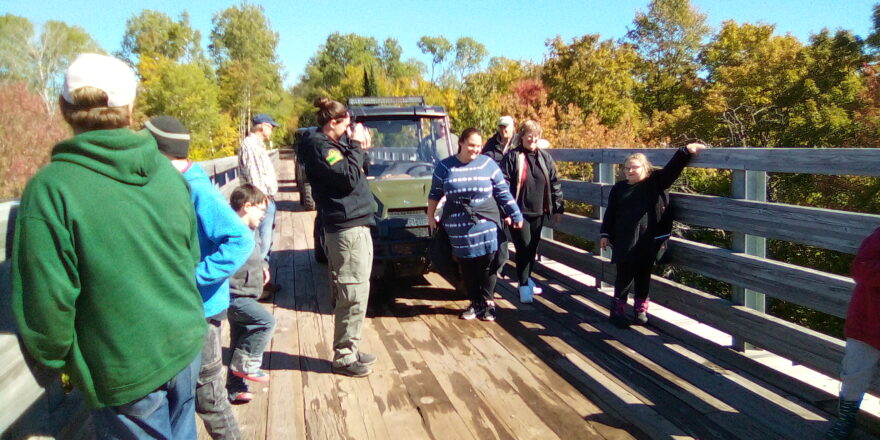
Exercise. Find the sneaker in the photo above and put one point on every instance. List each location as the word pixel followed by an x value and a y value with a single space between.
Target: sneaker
pixel 535 289
pixel 640 311
pixel 239 397
pixel 366 358
pixel 354 369
pixel 488 313
pixel 470 313
pixel 258 376
pixel 618 313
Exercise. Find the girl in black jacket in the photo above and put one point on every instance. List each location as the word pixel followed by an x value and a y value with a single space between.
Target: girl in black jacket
pixel 631 227
pixel 535 185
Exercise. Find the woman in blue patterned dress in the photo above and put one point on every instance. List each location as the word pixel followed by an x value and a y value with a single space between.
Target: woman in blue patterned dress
pixel 477 197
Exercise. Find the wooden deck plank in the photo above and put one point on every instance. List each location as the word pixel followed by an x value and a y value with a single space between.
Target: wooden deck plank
pixel 564 351
pixel 551 369
pixel 286 415
pixel 439 415
pixel 460 385
pixel 759 413
pixel 553 409
pixel 539 370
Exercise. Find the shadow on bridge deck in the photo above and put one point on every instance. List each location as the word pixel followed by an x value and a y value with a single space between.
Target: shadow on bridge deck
pixel 551 369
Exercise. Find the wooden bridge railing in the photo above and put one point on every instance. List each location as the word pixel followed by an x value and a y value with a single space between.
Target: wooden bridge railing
pixel 747 268
pixel 32 401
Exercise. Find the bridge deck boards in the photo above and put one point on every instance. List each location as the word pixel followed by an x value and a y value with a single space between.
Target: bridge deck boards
pixel 551 369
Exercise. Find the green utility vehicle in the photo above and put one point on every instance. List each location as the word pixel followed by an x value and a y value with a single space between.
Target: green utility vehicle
pixel 408 139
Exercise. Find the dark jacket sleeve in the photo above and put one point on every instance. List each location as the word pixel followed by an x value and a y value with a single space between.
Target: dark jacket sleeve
pixel 866 265
pixel 556 198
pixel 608 220
pixel 508 169
pixel 666 177
pixel 341 175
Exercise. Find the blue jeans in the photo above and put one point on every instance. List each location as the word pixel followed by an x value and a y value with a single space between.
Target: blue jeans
pixel 250 328
pixel 167 413
pixel 858 369
pixel 266 229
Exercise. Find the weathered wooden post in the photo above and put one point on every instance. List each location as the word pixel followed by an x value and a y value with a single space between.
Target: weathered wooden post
pixel 603 172
pixel 749 185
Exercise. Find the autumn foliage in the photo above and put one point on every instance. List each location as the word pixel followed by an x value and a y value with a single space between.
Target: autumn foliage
pixel 27 136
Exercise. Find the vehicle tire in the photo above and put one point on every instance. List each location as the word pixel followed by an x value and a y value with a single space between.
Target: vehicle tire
pixel 306 198
pixel 305 189
pixel 320 254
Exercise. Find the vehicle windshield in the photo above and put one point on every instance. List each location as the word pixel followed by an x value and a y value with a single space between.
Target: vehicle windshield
pixel 406 148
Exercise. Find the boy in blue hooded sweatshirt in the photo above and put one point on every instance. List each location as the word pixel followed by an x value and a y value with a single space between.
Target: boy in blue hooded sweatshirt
pixel 225 243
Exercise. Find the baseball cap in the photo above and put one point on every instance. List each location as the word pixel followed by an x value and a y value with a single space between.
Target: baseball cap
pixel 103 72
pixel 505 121
pixel 263 118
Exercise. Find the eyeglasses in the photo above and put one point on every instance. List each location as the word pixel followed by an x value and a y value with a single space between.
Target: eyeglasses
pixel 632 168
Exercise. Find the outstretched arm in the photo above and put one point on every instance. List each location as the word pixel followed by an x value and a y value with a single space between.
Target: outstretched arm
pixel 667 176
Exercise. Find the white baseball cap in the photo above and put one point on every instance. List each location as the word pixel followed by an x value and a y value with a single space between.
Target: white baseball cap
pixel 103 72
pixel 505 121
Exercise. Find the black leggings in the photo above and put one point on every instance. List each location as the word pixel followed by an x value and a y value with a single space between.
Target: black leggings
pixel 478 276
pixel 526 242
pixel 635 277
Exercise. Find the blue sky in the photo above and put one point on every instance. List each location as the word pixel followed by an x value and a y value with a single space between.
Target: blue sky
pixel 515 28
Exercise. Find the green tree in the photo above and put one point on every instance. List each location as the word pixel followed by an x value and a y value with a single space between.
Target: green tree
pixel 594 75
pixel 479 103
pixel 327 69
pixel 183 91
pixel 154 34
pixel 873 40
pixel 820 107
pixel 469 54
pixel 394 67
pixel 668 38
pixel 749 71
pixel 439 48
pixel 41 61
pixel 243 46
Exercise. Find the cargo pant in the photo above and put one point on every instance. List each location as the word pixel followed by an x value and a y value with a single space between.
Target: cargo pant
pixel 350 257
pixel 211 402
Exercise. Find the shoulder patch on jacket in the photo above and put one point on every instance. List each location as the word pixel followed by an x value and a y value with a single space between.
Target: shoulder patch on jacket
pixel 333 156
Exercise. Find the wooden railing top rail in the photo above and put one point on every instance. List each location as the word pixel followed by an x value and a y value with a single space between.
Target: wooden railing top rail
pixel 839 161
pixel 825 228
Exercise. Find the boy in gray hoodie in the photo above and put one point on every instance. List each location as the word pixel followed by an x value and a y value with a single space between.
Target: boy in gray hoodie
pixel 251 325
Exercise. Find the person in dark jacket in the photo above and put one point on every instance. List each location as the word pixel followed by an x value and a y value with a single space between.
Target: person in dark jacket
pixel 474 188
pixel 862 330
pixel 631 227
pixel 335 164
pixel 535 184
pixel 503 141
pixel 250 325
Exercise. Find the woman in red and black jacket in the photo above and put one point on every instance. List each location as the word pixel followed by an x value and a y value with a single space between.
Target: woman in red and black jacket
pixel 535 184
pixel 632 226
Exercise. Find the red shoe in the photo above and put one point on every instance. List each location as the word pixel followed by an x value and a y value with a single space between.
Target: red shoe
pixel 239 397
pixel 259 376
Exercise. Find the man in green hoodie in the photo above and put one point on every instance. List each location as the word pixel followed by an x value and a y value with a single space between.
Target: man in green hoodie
pixel 103 264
